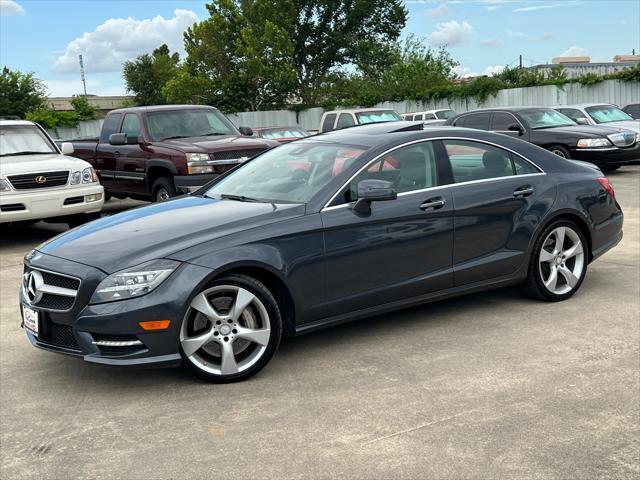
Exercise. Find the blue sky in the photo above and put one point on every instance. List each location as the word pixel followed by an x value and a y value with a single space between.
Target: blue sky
pixel 45 36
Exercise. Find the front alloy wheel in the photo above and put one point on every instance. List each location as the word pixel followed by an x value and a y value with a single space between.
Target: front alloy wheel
pixel 231 330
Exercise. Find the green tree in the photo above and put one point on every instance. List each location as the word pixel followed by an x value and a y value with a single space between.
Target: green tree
pixel 20 93
pixel 148 74
pixel 82 108
pixel 260 54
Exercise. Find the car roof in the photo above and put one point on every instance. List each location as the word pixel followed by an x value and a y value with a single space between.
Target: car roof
pixel 275 128
pixel 357 110
pixel 584 105
pixel 428 111
pixel 159 108
pixel 15 122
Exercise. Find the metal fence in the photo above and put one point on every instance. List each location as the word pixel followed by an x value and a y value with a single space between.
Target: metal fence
pixel 610 91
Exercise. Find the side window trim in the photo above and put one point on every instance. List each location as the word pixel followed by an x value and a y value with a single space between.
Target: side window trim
pixel 328 205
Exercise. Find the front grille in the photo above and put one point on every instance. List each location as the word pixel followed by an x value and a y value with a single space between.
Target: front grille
pixel 12 207
pixel 39 180
pixel 58 336
pixel 49 290
pixel 73 200
pixel 236 154
pixel 623 139
pixel 55 302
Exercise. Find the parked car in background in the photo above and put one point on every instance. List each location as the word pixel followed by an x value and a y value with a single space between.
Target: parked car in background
pixel 297 239
pixel 157 152
pixel 606 147
pixel 633 110
pixel 281 134
pixel 430 115
pixel 39 181
pixel 599 114
pixel 339 119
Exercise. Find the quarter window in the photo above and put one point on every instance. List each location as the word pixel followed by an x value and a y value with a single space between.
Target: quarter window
pixel 418 117
pixel 329 120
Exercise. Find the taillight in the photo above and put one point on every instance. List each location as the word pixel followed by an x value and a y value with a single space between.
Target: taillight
pixel 604 181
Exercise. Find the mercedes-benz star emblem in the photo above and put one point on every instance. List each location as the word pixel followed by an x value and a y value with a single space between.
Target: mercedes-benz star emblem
pixel 41 179
pixel 33 281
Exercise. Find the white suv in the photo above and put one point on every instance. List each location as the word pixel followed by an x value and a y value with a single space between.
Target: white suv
pixel 38 181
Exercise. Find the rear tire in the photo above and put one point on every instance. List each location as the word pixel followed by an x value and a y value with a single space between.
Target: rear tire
pixel 163 189
pixel 231 330
pixel 558 262
pixel 560 151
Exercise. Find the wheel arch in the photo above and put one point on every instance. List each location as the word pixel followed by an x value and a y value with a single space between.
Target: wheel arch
pixel 157 168
pixel 574 217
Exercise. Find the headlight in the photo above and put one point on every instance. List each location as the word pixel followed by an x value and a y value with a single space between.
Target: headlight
pixel 134 281
pixel 75 178
pixel 593 143
pixel 4 185
pixel 196 163
pixel 89 175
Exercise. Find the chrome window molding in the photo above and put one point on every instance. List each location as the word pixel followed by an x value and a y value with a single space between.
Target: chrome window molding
pixel 327 206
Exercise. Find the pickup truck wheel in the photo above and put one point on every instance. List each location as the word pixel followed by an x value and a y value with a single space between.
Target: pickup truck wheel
pixel 163 189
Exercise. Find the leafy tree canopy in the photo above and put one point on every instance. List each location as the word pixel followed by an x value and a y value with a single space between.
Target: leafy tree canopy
pixel 20 93
pixel 147 75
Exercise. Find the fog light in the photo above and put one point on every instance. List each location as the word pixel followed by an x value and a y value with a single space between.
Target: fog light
pixel 155 325
pixel 94 197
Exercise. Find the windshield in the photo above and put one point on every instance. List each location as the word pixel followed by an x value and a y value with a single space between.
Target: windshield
pixel 291 173
pixel 378 116
pixel 445 114
pixel 23 140
pixel 191 122
pixel 545 118
pixel 284 133
pixel 607 113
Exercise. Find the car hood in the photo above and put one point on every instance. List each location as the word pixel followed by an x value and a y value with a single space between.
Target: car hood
pixel 586 131
pixel 156 231
pixel 19 164
pixel 217 143
pixel 625 124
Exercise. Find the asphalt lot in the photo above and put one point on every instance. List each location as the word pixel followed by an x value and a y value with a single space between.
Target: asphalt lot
pixel 485 386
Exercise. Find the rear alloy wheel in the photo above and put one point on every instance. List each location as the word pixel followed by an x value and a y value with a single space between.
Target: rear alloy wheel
pixel 231 330
pixel 560 151
pixel 559 263
pixel 163 189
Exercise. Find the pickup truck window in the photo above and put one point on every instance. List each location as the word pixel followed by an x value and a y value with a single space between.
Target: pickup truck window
pixel 23 140
pixel 187 123
pixel 131 125
pixel 377 116
pixel 110 125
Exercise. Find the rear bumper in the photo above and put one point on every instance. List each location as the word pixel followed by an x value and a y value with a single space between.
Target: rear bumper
pixel 190 183
pixel 19 206
pixel 609 157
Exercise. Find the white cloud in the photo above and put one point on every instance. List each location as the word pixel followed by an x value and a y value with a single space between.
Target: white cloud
pixel 439 11
pixel 516 34
pixel 490 42
pixel 494 7
pixel 548 35
pixel 575 52
pixel 464 72
pixel 450 33
pixel 493 70
pixel 10 7
pixel 67 88
pixel 546 6
pixel 120 39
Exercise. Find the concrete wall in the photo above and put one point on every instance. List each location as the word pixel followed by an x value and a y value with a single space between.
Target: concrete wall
pixel 610 91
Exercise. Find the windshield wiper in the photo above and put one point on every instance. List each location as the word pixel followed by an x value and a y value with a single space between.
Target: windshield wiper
pixel 23 153
pixel 211 134
pixel 239 198
pixel 175 137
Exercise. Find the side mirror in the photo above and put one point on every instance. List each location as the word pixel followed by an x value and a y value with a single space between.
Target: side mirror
pixel 246 131
pixel 515 127
pixel 373 191
pixel 66 148
pixel 117 139
pixel 581 121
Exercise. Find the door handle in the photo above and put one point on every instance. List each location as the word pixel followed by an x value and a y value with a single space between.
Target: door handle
pixel 523 191
pixel 434 203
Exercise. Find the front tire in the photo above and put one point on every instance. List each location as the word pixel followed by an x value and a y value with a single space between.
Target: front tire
pixel 231 330
pixel 558 262
pixel 163 189
pixel 560 151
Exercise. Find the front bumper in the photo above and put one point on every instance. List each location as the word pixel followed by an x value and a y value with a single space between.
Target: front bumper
pixel 84 324
pixel 21 205
pixel 607 156
pixel 191 183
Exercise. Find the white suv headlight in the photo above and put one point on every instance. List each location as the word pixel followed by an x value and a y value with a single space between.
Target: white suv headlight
pixel 134 281
pixel 593 142
pixel 4 185
pixel 89 175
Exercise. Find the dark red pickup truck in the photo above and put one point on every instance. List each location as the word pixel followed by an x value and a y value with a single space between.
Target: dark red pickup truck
pixel 161 151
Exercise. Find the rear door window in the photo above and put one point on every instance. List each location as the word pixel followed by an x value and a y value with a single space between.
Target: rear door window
pixel 345 120
pixel 472 161
pixel 502 121
pixel 479 121
pixel 329 120
pixel 418 117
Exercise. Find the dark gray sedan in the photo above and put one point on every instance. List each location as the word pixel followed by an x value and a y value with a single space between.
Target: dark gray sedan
pixel 314 233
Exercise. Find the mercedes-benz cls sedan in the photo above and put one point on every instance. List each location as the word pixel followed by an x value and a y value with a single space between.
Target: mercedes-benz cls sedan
pixel 314 233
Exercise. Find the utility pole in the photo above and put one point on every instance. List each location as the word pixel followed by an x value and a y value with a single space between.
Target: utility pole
pixel 520 61
pixel 84 84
